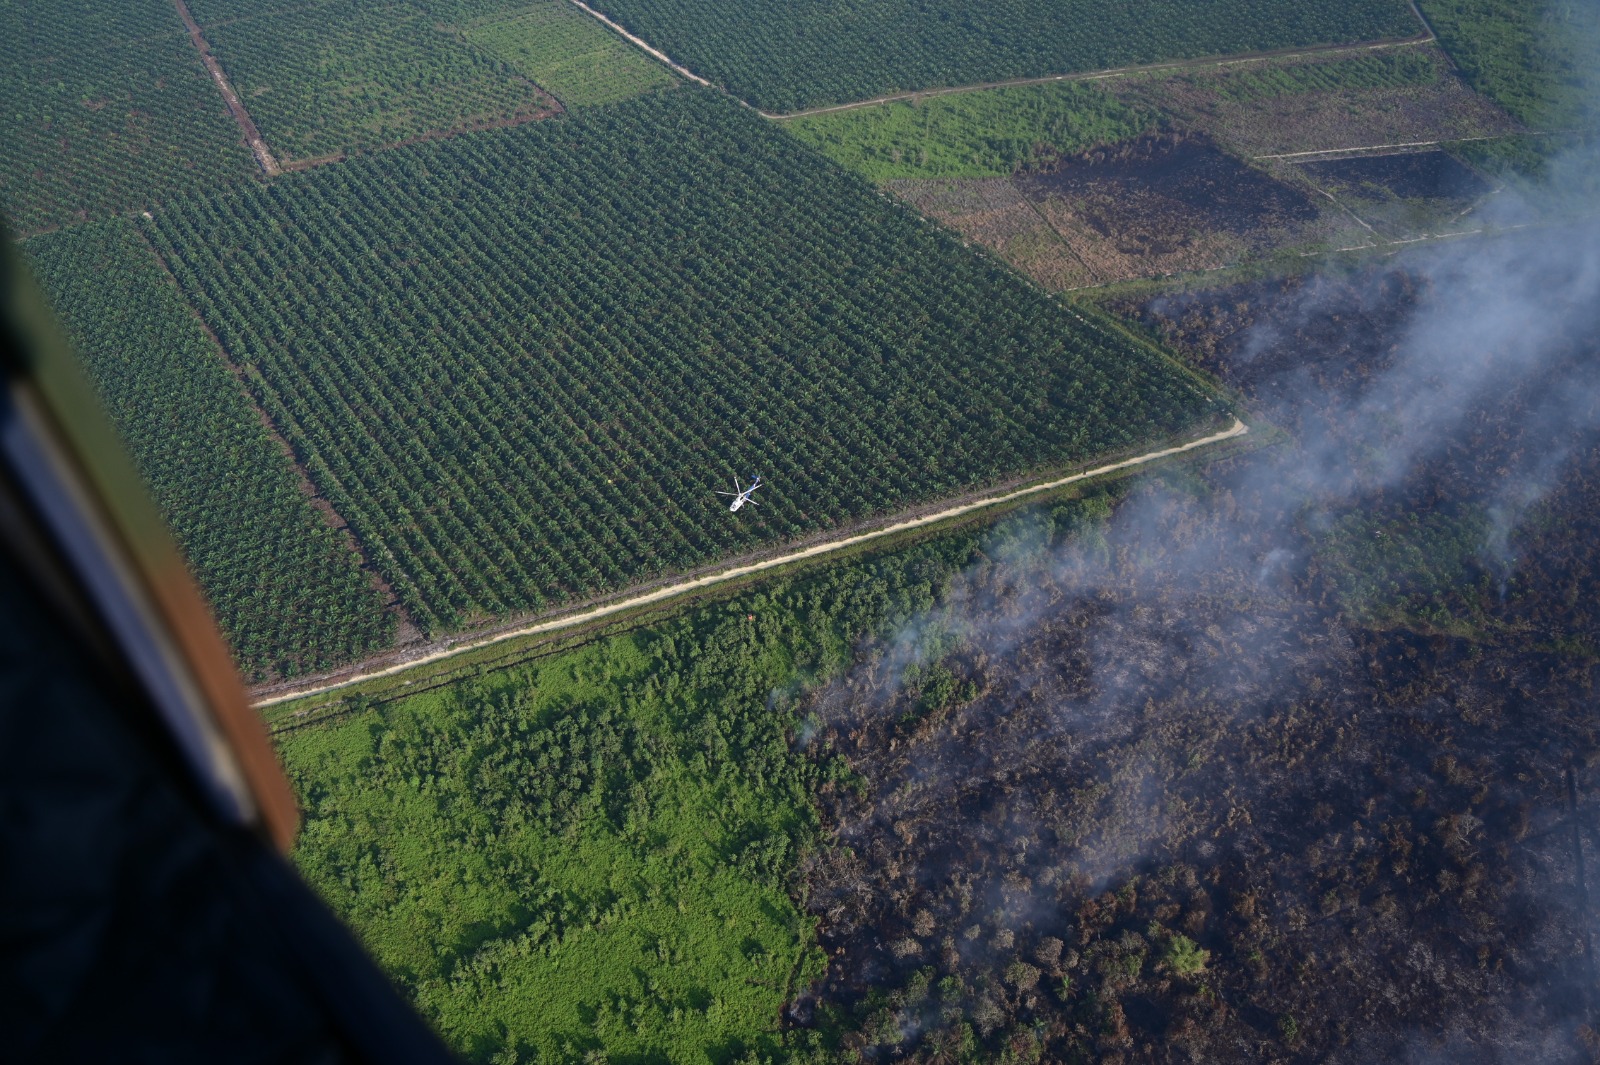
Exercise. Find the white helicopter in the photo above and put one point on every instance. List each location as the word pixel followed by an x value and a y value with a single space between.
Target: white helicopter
pixel 742 496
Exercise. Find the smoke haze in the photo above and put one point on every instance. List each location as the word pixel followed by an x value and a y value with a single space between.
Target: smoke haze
pixel 1132 695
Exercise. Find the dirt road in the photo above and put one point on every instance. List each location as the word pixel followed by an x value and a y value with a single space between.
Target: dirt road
pixel 695 584
pixel 1115 72
pixel 252 136
pixel 685 71
pixel 1425 37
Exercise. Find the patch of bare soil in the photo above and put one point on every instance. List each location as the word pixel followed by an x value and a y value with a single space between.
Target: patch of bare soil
pixel 994 213
pixel 247 126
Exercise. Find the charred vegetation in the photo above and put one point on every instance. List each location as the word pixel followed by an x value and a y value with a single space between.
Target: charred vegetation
pixel 1183 170
pixel 1158 790
pixel 1406 176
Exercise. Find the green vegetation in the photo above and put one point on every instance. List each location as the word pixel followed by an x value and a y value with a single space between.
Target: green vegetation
pixel 519 363
pixel 570 55
pixel 1183 955
pixel 971 134
pixel 1528 157
pixel 1420 569
pixel 593 852
pixel 785 55
pixel 345 75
pixel 1392 68
pixel 1394 94
pixel 107 107
pixel 289 596
pixel 1535 58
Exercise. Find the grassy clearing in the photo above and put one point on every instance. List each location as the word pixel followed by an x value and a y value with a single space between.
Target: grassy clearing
pixel 985 133
pixel 1392 68
pixel 571 55
pixel 1528 158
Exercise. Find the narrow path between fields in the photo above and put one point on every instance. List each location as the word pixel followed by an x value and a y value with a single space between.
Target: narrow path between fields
pixel 1396 147
pixel 695 584
pixel 1427 27
pixel 247 125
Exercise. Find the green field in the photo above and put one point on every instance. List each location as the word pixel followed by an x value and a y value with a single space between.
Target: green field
pixel 519 363
pixel 795 54
pixel 985 133
pixel 1424 571
pixel 105 113
pixel 1535 58
pixel 342 75
pixel 289 596
pixel 593 852
pixel 570 55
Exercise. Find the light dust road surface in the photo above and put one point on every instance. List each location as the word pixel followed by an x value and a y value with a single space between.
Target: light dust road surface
pixel 708 580
pixel 247 125
pixel 1424 37
pixel 681 69
pixel 1115 72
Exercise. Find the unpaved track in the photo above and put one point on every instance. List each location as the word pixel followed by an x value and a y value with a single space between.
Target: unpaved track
pixel 696 584
pixel 679 67
pixel 1425 37
pixel 1115 72
pixel 247 125
pixel 1400 146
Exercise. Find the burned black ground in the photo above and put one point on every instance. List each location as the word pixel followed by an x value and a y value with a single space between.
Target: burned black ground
pixel 1130 187
pixel 1414 176
pixel 1148 791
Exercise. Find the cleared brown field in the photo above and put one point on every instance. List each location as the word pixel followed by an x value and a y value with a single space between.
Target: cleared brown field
pixel 1412 176
pixel 1165 203
pixel 993 212
pixel 1159 204
pixel 1322 102
pixel 1222 183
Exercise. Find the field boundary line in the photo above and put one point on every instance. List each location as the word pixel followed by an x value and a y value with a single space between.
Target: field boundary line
pixel 247 125
pixel 1114 72
pixel 1429 144
pixel 641 43
pixel 1427 238
pixel 1371 148
pixel 671 591
pixel 1061 238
